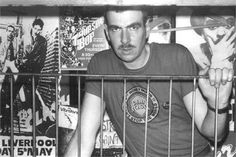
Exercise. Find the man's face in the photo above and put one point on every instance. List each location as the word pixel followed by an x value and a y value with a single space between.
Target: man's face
pixel 218 32
pixel 127 34
pixel 36 30
pixel 10 33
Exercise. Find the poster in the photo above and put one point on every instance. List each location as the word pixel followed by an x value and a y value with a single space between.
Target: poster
pixel 23 146
pixel 195 40
pixel 158 23
pixel 29 44
pixel 81 37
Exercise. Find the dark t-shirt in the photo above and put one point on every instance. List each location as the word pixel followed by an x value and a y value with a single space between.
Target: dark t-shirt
pixel 166 59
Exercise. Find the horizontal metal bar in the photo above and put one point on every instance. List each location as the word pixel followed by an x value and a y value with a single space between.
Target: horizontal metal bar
pixel 113 76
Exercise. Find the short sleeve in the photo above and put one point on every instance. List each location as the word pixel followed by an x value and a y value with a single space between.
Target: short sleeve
pixel 93 84
pixel 188 68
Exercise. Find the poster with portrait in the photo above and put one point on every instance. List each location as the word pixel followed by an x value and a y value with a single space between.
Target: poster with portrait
pixel 199 25
pixel 29 44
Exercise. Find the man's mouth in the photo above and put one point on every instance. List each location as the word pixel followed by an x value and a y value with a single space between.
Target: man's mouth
pixel 126 47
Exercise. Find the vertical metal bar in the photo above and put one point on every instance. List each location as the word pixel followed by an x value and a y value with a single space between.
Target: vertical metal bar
pixel 124 118
pixel 1 97
pixel 79 121
pixel 12 117
pixel 170 109
pixel 34 116
pixel 216 120
pixel 101 119
pixel 233 106
pixel 146 118
pixel 57 116
pixel 193 115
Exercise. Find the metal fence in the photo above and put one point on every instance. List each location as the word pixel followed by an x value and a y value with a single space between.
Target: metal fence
pixel 104 78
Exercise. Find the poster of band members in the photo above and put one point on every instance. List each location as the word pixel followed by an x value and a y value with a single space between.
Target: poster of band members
pixel 29 44
pixel 81 37
pixel 210 25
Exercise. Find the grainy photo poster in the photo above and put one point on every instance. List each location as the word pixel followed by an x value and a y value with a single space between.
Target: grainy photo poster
pixel 197 42
pixel 29 44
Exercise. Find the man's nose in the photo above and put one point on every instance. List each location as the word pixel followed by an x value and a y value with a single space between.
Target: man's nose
pixel 125 36
pixel 221 31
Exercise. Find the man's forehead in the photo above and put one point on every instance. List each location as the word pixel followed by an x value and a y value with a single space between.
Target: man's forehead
pixel 37 26
pixel 219 19
pixel 218 13
pixel 122 12
pixel 119 17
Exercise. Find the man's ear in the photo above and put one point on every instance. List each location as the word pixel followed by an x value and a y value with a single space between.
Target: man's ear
pixel 148 28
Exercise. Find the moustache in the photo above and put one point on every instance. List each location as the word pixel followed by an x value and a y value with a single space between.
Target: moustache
pixel 126 46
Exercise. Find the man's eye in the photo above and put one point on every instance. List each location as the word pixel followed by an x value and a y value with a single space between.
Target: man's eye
pixel 229 26
pixel 135 27
pixel 212 28
pixel 230 23
pixel 114 29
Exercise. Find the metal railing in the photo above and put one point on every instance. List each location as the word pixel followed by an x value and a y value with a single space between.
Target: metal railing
pixel 104 78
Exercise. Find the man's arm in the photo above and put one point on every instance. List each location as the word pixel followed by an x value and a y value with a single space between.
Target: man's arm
pixel 205 118
pixel 3 54
pixel 206 98
pixel 220 76
pixel 90 123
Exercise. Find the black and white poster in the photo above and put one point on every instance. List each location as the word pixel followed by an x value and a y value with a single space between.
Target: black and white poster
pixel 201 24
pixel 82 35
pixel 29 44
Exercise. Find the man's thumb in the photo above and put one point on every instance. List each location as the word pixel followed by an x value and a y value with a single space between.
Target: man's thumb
pixel 204 71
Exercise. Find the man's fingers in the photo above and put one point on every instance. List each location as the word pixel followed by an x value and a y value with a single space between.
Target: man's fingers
pixel 220 76
pixel 227 35
pixel 204 71
pixel 231 75
pixel 211 43
pixel 226 76
pixel 231 38
pixel 211 74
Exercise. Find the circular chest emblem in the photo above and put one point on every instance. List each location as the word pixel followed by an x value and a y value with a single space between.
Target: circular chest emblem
pixel 136 105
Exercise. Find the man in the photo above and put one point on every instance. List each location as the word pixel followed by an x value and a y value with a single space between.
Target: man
pixel 7 48
pixel 8 56
pixel 127 31
pixel 8 51
pixel 32 61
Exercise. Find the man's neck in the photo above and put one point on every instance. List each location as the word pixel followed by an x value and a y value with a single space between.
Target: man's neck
pixel 34 37
pixel 141 61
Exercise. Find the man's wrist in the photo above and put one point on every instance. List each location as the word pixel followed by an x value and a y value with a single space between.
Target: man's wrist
pixel 220 110
pixel 221 64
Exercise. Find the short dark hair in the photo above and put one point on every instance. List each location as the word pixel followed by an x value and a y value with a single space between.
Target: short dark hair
pixel 124 8
pixel 11 27
pixel 199 15
pixel 38 22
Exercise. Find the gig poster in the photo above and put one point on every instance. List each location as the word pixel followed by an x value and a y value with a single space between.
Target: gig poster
pixel 195 41
pixel 29 44
pixel 81 37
